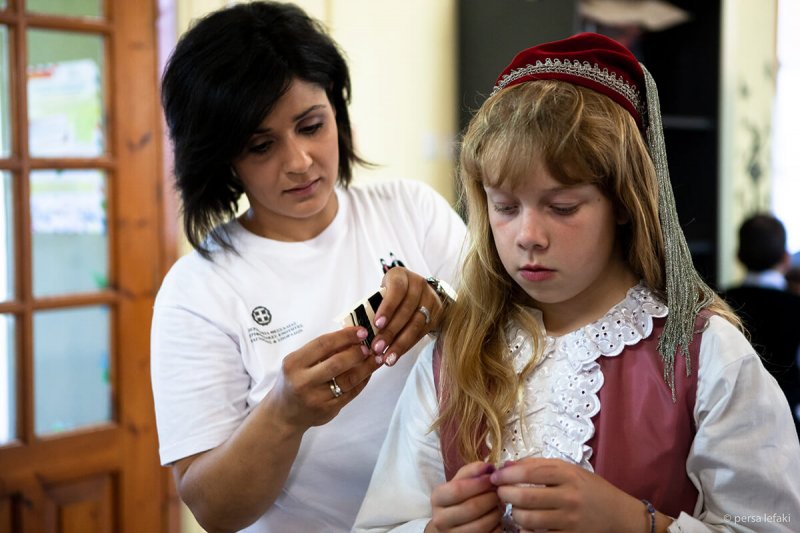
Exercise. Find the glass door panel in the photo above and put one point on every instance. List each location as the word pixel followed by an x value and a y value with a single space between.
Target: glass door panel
pixel 65 94
pixel 5 94
pixel 6 237
pixel 71 368
pixel 74 8
pixel 69 237
pixel 8 380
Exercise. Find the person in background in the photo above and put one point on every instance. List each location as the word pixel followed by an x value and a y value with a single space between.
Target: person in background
pixel 793 280
pixel 586 379
pixel 793 274
pixel 270 413
pixel 769 310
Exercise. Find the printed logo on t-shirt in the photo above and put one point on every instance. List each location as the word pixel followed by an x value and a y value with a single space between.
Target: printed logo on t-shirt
pixel 391 263
pixel 276 335
pixel 261 315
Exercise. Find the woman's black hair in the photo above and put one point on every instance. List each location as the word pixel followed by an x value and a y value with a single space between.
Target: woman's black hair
pixel 221 81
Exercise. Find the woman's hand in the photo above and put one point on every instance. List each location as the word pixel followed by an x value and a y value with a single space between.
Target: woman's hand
pixel 467 503
pixel 410 309
pixel 305 394
pixel 551 494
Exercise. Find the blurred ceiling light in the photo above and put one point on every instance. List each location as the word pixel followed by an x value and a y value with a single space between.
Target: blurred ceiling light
pixel 652 15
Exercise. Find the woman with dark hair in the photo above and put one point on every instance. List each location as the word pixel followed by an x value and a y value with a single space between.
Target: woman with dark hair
pixel 251 373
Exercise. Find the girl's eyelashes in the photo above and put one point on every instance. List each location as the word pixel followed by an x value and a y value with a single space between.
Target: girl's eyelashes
pixel 504 209
pixel 564 209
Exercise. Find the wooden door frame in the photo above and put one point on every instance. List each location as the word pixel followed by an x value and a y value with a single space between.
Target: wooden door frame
pixel 141 249
pixel 141 211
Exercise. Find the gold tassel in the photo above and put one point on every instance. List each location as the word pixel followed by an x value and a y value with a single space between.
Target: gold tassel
pixel 687 293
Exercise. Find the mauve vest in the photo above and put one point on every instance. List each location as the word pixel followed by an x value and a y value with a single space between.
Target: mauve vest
pixel 642 438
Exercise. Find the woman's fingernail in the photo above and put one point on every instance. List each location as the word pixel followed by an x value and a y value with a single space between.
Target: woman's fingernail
pixel 361 333
pixel 380 322
pixel 379 346
pixel 379 359
pixel 364 350
pixel 391 359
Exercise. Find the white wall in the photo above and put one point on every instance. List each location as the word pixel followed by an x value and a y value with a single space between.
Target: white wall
pixel 403 61
pixel 786 157
pixel 747 87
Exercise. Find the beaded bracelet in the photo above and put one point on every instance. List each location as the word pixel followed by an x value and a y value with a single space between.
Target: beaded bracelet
pixel 652 512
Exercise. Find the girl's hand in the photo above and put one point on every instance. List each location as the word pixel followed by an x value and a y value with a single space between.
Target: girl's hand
pixel 551 494
pixel 400 321
pixel 304 394
pixel 467 503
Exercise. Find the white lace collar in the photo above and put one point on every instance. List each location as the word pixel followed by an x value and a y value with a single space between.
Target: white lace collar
pixel 560 395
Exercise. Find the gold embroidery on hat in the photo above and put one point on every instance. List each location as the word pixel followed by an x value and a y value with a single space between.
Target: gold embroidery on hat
pixel 580 69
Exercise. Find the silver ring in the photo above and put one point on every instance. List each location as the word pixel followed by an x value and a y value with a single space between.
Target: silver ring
pixel 427 314
pixel 507 521
pixel 335 388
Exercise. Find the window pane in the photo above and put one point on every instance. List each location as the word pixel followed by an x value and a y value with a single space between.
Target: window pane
pixel 71 368
pixel 65 94
pixel 75 8
pixel 8 380
pixel 5 94
pixel 70 241
pixel 6 237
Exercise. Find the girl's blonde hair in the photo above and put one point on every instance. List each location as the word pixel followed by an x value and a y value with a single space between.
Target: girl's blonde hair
pixel 581 137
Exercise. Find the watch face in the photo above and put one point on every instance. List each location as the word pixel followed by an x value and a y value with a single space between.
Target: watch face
pixel 446 289
pixel 442 288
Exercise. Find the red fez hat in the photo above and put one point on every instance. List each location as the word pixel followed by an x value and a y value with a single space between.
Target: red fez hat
pixel 587 59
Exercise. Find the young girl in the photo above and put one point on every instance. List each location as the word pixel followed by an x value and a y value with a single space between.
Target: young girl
pixel 262 400
pixel 586 379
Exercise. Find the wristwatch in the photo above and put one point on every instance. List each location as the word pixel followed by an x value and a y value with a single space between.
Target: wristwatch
pixel 443 289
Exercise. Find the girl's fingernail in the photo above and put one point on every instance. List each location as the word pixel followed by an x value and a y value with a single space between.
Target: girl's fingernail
pixel 487 469
pixel 391 359
pixel 364 350
pixel 379 359
pixel 380 322
pixel 379 346
pixel 361 333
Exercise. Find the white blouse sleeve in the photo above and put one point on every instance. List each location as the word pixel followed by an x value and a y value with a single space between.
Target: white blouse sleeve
pixel 410 462
pixel 745 459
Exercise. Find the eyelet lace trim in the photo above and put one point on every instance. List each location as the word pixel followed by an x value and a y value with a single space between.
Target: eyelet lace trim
pixel 560 394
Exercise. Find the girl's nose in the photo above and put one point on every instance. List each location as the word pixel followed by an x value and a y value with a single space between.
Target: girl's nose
pixel 532 232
